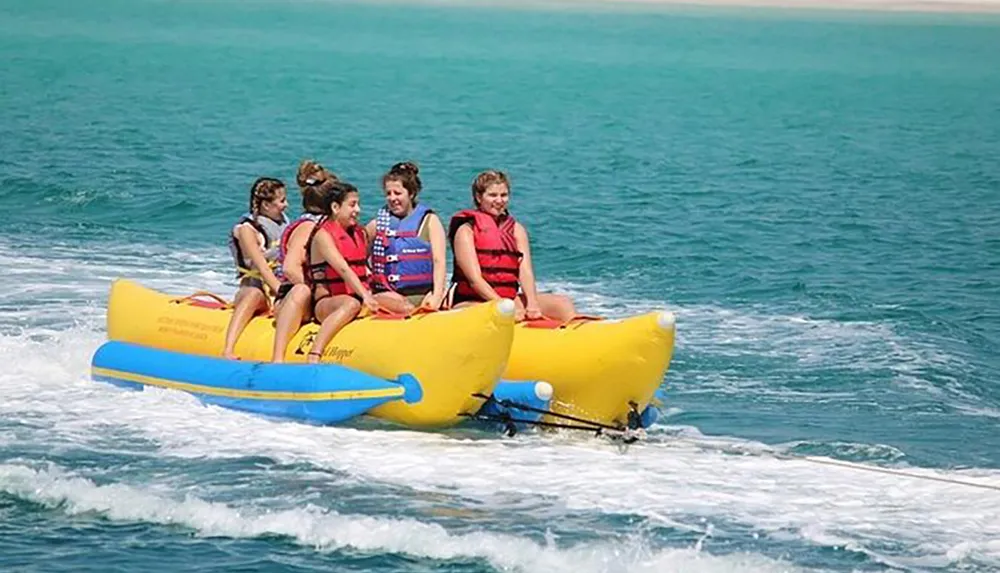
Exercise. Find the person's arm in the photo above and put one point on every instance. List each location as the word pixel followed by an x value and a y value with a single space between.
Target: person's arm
pixel 295 253
pixel 370 230
pixel 439 255
pixel 527 273
pixel 328 250
pixel 466 259
pixel 250 247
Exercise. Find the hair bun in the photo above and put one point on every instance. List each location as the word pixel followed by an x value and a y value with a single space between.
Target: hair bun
pixel 405 167
pixel 310 173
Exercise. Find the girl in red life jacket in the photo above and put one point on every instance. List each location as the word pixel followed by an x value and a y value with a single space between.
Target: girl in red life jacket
pixel 493 255
pixel 253 242
pixel 338 267
pixel 293 303
pixel 408 244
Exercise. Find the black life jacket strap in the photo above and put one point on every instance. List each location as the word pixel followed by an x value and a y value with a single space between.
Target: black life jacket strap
pixel 517 254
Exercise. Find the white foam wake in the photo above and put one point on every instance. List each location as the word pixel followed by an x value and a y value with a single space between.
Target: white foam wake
pixel 680 483
pixel 314 527
pixel 63 286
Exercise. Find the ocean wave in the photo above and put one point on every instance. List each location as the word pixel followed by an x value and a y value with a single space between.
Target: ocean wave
pixel 882 453
pixel 325 530
pixel 118 203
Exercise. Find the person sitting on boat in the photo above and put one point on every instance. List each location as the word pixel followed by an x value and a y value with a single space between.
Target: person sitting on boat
pixel 253 242
pixel 293 300
pixel 338 266
pixel 493 255
pixel 408 246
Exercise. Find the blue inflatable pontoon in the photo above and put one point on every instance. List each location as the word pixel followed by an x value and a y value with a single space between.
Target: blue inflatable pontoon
pixel 321 393
pixel 505 402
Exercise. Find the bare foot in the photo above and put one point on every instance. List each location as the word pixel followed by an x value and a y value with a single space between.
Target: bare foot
pixel 230 355
pixel 313 358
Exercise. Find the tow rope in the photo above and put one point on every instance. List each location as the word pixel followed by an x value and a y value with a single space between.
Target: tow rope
pixel 704 444
pixel 624 434
pixel 630 433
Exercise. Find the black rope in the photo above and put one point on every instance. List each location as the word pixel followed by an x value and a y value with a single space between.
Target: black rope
pixel 510 430
pixel 526 408
pixel 501 418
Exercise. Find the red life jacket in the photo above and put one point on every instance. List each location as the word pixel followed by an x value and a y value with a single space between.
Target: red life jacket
pixel 496 249
pixel 352 245
pixel 287 236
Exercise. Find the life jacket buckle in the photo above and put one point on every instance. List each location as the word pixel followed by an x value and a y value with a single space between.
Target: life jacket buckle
pixel 393 278
pixel 392 258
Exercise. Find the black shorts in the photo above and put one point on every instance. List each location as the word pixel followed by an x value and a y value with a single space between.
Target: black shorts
pixel 283 291
pixel 459 299
pixel 253 282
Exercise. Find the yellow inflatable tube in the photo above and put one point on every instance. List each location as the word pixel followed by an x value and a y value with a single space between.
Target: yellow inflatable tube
pixel 453 354
pixel 596 367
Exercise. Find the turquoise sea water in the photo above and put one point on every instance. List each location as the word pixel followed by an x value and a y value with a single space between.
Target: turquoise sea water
pixel 816 195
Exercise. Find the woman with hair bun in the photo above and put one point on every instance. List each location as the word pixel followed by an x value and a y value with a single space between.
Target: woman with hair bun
pixel 408 245
pixel 293 301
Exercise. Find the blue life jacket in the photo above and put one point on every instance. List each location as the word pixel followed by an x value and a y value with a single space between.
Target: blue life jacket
pixel 401 260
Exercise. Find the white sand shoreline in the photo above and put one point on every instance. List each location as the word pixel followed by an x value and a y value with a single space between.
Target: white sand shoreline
pixel 939 6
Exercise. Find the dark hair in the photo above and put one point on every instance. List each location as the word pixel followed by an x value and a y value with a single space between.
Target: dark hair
pixel 314 181
pixel 486 179
pixel 339 190
pixel 264 189
pixel 407 174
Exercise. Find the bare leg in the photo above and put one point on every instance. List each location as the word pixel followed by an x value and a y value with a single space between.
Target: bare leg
pixel 290 313
pixel 394 302
pixel 249 301
pixel 334 312
pixel 556 306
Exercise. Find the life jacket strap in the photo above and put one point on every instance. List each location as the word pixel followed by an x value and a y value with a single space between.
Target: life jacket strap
pixel 399 278
pixel 498 269
pixel 396 233
pixel 404 257
pixel 243 272
pixel 500 252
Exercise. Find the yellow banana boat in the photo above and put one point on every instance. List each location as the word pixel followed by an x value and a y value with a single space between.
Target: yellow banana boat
pixel 454 354
pixel 596 367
